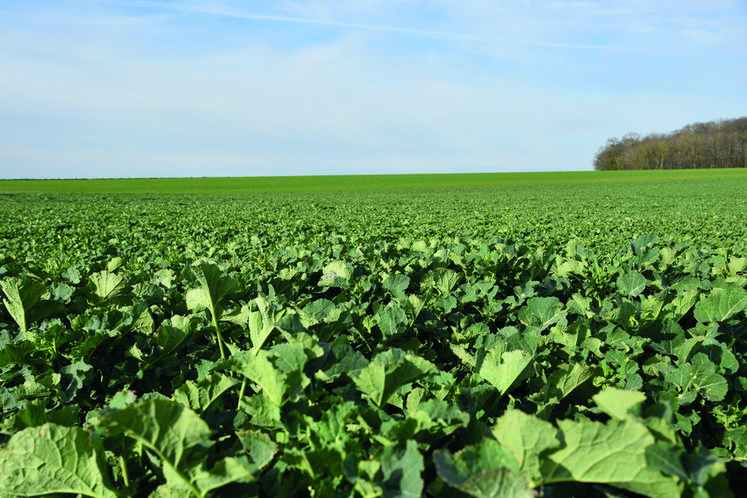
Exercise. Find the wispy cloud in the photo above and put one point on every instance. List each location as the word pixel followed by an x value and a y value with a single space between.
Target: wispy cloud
pixel 222 11
pixel 110 20
pixel 214 10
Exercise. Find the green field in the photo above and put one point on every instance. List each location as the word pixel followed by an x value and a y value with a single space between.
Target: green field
pixel 355 182
pixel 434 335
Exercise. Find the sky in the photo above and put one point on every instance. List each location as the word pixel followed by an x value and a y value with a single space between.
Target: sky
pixel 169 88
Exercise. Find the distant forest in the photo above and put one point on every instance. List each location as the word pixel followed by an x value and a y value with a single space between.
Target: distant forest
pixel 718 144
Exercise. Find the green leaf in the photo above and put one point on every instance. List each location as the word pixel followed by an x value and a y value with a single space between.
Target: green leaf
pixel 680 305
pixel 342 360
pixel 72 275
pixel 225 471
pixel 391 320
pixel 721 304
pixel 666 338
pixel 200 395
pixel 278 373
pixel 105 285
pixel 617 403
pixel 401 469
pixel 434 416
pixel 263 411
pixel 176 434
pixel 319 311
pixel 16 352
pixel 73 378
pixel 261 448
pixel 613 453
pixel 213 287
pixel 667 459
pixel 262 323
pixel 172 332
pixel 336 274
pixel 259 369
pixel 503 369
pixel 497 483
pixel 698 377
pixel 565 379
pixel 528 439
pixel 396 284
pixel 699 465
pixel 473 460
pixel 52 459
pixel 443 279
pixel 388 371
pixel 21 295
pixel 631 284
pixel 542 312
pixel 372 380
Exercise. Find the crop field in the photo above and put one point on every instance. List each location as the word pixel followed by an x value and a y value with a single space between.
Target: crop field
pixel 356 183
pixel 574 334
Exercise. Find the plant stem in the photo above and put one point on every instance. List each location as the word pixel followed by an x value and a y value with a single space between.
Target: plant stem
pixel 241 393
pixel 125 475
pixel 221 344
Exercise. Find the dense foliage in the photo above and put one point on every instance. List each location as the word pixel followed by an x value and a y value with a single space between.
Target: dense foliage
pixel 717 144
pixel 584 341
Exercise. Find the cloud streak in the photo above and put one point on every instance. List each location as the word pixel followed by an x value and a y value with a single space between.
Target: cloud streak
pixel 415 32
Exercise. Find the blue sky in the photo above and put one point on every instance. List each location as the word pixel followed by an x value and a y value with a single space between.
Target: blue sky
pixel 110 88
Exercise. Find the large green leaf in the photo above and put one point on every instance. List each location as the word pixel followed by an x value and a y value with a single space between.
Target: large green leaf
pixel 172 332
pixel 73 378
pixel 666 338
pixel 528 439
pixel 388 371
pixel 336 274
pixel 319 311
pixel 721 304
pixel 701 470
pixel 442 279
pixel 279 373
pixel 176 434
pixel 391 320
pixel 105 285
pixel 396 284
pixel 21 296
pixel 542 312
pixel 697 377
pixel 52 459
pixel 261 448
pixel 200 395
pixel 262 322
pixel 496 483
pixel 213 287
pixel 401 469
pixel 618 403
pixel 613 453
pixel 631 284
pixel 565 379
pixel 434 416
pixel 484 470
pixel 225 471
pixel 503 369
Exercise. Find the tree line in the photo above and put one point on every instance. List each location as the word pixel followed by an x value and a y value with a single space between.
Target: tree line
pixel 716 144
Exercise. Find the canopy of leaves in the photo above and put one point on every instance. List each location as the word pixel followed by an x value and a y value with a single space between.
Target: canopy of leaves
pixel 341 345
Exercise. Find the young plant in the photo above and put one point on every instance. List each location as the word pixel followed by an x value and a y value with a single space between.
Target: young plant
pixel 214 286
